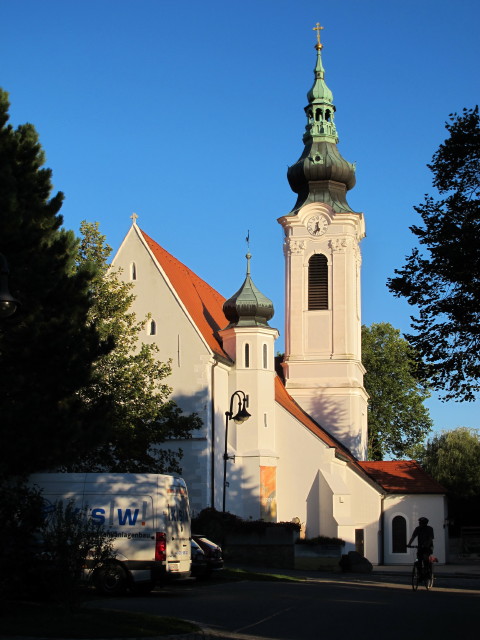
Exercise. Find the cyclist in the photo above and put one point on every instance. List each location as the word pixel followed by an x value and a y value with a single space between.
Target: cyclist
pixel 424 535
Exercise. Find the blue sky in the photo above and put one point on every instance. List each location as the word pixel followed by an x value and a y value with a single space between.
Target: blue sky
pixel 189 113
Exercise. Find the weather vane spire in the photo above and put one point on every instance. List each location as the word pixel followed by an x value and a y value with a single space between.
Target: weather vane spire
pixel 318 28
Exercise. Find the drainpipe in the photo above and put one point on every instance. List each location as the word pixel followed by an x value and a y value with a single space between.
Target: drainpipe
pixel 212 430
pixel 382 532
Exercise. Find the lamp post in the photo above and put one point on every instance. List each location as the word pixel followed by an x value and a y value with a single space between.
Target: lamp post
pixel 241 415
pixel 8 304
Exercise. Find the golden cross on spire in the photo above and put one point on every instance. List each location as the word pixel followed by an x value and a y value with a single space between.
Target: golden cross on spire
pixel 318 28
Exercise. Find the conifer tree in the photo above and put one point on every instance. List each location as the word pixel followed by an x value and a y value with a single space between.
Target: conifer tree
pixel 47 347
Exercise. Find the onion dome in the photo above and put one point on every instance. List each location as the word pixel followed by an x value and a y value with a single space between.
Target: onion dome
pixel 321 174
pixel 248 307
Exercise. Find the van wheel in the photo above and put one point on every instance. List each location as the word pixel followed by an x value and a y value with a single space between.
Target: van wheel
pixel 111 580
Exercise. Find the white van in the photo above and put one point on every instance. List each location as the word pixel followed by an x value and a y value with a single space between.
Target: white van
pixel 147 515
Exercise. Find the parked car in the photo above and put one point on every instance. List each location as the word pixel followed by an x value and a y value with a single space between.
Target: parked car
pixel 212 552
pixel 198 566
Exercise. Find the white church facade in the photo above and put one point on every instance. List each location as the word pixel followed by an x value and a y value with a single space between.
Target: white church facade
pixel 302 451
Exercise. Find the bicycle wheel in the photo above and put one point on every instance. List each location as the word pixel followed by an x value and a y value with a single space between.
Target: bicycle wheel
pixel 415 577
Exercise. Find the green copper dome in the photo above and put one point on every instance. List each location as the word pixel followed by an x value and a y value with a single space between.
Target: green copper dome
pixel 248 307
pixel 321 174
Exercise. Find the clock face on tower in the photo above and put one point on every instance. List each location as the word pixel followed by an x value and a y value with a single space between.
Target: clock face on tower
pixel 317 225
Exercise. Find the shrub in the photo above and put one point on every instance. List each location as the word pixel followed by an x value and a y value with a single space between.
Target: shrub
pixel 322 540
pixel 215 525
pixel 71 547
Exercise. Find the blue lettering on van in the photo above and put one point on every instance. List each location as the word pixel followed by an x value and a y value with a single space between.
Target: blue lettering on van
pixel 127 515
pixel 98 516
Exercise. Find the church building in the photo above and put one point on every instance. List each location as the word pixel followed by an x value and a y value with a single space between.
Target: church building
pixel 285 441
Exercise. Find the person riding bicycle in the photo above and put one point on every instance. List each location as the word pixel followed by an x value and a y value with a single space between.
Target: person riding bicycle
pixel 424 535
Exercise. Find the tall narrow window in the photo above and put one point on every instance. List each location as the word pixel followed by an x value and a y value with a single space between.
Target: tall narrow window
pixel 247 356
pixel 153 328
pixel 360 541
pixel 318 282
pixel 265 356
pixel 399 535
pixel 133 271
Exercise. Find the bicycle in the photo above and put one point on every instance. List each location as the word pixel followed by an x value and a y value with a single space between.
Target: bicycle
pixel 421 573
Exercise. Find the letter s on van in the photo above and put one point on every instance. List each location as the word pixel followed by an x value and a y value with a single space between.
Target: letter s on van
pixel 98 516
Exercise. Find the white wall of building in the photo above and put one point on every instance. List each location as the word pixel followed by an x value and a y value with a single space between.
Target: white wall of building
pixel 323 368
pixel 191 361
pixel 412 507
pixel 327 496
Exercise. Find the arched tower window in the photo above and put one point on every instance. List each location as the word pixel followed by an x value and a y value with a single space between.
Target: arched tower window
pixel 152 328
pixel 265 356
pixel 317 282
pixel 133 271
pixel 318 114
pixel 247 356
pixel 399 535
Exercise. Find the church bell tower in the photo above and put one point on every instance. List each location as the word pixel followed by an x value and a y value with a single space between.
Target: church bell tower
pixel 322 365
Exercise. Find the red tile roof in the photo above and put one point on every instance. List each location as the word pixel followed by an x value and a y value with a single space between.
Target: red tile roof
pixel 401 476
pixel 203 303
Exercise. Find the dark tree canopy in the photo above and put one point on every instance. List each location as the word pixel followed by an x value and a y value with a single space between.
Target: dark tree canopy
pixel 397 417
pixel 46 348
pixel 442 277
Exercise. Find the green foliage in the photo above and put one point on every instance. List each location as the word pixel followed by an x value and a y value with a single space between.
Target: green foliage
pixel 46 347
pixel 397 417
pixel 69 541
pixel 452 458
pixel 442 279
pixel 130 378
pixel 215 525
pixel 321 540
pixel 43 550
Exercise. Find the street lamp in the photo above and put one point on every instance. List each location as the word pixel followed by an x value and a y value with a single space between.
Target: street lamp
pixel 241 415
pixel 8 304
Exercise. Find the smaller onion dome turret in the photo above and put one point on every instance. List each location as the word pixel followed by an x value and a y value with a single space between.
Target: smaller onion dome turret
pixel 248 307
pixel 321 174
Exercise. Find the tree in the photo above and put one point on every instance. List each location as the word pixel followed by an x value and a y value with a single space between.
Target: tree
pixel 47 347
pixel 451 457
pixel 397 417
pixel 130 377
pixel 443 281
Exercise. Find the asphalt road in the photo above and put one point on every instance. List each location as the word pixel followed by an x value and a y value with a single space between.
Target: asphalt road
pixel 329 607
